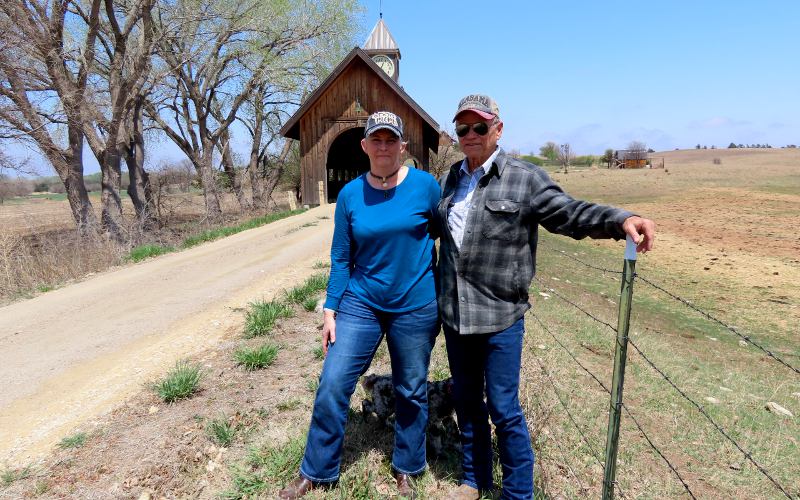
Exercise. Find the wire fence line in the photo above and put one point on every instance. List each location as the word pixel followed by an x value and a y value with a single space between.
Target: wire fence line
pixel 681 392
pixel 708 417
pixel 627 410
pixel 581 432
pixel 710 317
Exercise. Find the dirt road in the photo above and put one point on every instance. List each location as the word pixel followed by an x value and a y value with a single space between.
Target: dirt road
pixel 77 352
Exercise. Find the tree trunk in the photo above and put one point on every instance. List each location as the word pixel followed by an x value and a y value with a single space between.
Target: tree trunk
pixel 234 177
pixel 139 188
pixel 69 166
pixel 274 174
pixel 111 215
pixel 204 168
pixel 256 183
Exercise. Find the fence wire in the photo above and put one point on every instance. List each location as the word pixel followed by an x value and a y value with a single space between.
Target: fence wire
pixel 682 393
pixel 710 317
pixel 708 417
pixel 608 391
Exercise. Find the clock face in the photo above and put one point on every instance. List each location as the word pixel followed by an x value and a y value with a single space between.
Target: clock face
pixel 384 63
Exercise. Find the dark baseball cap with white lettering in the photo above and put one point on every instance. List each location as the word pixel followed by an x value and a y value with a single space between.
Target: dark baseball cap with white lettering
pixel 384 120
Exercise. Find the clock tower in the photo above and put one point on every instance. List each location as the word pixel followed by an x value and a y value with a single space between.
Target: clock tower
pixel 382 48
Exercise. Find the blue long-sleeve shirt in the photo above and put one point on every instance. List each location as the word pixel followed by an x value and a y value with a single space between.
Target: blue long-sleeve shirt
pixel 382 249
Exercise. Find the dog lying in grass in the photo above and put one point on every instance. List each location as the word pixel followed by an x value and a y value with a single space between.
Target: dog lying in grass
pixel 443 436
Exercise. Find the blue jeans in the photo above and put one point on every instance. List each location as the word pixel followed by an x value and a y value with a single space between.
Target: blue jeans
pixel 359 330
pixel 490 363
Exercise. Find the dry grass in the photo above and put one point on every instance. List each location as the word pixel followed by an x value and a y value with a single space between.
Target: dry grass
pixel 40 250
pixel 35 264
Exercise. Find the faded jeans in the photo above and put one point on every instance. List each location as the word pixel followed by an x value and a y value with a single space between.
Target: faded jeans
pixel 360 328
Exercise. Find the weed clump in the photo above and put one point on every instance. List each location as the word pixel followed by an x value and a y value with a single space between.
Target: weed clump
pixel 74 441
pixel 308 290
pixel 181 382
pixel 266 466
pixel 262 316
pixel 256 358
pixel 222 430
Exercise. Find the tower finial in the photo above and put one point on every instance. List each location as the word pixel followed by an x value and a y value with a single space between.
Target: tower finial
pixel 380 8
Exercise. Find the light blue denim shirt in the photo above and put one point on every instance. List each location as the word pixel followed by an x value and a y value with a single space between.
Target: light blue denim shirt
pixel 462 199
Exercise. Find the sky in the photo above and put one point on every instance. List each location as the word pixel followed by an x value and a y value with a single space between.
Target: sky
pixel 599 74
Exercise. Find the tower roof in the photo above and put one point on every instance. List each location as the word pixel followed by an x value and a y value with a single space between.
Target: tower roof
pixel 380 39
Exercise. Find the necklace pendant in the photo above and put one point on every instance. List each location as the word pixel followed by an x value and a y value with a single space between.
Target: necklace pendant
pixel 385 184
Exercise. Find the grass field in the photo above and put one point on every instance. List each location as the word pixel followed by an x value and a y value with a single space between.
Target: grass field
pixel 726 243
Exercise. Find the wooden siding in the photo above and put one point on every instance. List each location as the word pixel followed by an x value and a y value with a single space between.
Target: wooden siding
pixel 335 112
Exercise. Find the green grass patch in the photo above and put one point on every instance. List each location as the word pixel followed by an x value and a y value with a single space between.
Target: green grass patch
pixel 310 303
pixel 264 467
pixel 313 384
pixel 146 251
pixel 215 234
pixel 41 487
pixel 74 441
pixel 262 316
pixel 8 476
pixel 292 404
pixel 321 265
pixel 313 285
pixel 221 430
pixel 181 382
pixel 256 358
pixel 319 354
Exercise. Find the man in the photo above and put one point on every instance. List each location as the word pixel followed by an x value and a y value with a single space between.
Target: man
pixel 490 211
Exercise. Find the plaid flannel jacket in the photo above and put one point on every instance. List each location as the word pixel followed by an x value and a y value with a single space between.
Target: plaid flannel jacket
pixel 484 287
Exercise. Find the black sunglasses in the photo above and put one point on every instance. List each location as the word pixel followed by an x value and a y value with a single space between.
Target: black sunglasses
pixel 480 128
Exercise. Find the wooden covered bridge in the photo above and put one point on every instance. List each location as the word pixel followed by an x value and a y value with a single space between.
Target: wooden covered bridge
pixel 330 123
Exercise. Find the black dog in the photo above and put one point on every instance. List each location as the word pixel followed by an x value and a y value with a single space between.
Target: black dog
pixel 443 436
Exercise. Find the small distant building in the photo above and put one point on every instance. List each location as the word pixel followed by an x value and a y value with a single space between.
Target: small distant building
pixel 627 158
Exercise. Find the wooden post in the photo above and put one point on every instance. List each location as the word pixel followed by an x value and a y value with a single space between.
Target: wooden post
pixel 292 203
pixel 322 200
pixel 620 357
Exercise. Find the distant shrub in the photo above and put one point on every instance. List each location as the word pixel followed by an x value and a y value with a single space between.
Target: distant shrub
pixel 717 161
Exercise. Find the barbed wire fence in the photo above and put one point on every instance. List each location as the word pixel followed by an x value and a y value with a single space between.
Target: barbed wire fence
pixel 661 373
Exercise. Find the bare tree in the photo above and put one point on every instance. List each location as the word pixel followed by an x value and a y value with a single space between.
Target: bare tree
pixel 126 38
pixel 448 153
pixel 217 61
pixel 608 157
pixel 637 150
pixel 565 156
pixel 44 87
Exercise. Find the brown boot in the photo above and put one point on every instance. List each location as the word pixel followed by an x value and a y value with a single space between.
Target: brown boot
pixel 464 492
pixel 405 488
pixel 296 489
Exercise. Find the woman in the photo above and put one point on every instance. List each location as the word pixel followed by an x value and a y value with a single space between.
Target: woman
pixel 382 282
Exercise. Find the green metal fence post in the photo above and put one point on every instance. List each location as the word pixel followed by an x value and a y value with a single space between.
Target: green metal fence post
pixel 620 356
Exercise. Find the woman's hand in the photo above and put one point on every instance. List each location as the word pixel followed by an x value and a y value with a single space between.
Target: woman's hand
pixel 328 329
